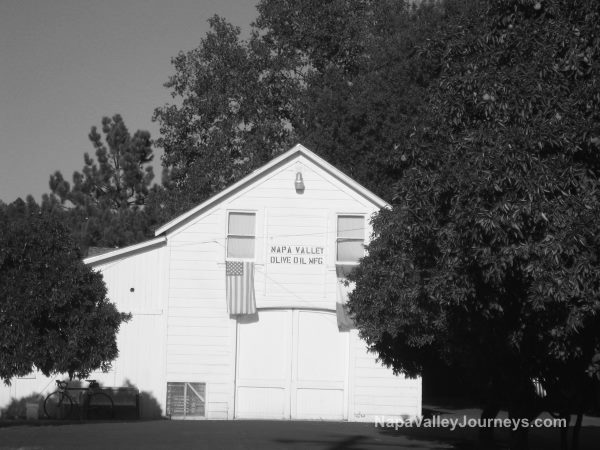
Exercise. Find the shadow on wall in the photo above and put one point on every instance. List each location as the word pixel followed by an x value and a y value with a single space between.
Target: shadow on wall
pixel 245 318
pixel 149 407
pixel 18 409
pixel 129 403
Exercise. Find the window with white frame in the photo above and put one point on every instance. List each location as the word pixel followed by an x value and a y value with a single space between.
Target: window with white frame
pixel 350 239
pixel 241 235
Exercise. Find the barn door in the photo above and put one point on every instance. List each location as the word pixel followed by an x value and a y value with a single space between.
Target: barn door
pixel 319 369
pixel 292 364
pixel 263 367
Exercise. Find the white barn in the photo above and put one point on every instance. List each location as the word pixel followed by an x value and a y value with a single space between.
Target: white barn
pixel 296 223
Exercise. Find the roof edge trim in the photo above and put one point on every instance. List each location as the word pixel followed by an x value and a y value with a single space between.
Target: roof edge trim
pixel 124 250
pixel 297 149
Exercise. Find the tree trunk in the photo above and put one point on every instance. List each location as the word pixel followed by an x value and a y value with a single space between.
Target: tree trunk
pixel 486 434
pixel 564 432
pixel 576 430
pixel 519 439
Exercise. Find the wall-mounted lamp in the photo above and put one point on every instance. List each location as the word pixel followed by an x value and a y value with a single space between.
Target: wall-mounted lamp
pixel 299 183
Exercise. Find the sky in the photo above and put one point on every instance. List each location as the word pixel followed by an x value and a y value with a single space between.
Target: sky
pixel 64 64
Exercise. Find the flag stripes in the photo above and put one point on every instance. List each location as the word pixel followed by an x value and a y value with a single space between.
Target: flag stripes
pixel 239 279
pixel 344 321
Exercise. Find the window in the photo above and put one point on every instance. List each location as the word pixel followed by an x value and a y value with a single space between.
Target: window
pixel 350 239
pixel 186 399
pixel 241 229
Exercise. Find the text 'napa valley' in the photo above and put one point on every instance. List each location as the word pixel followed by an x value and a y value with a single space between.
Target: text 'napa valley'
pixel 296 254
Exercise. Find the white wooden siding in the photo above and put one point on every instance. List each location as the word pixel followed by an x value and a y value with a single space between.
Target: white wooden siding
pixel 140 272
pixel 141 343
pixel 199 330
pixel 375 392
pixel 201 337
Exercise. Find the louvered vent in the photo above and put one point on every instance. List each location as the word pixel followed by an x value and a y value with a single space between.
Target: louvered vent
pixel 186 400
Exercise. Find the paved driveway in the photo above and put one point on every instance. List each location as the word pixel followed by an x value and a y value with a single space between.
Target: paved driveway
pixel 242 435
pixel 213 435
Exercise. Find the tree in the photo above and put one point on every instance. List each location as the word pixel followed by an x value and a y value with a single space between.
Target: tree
pixel 488 260
pixel 120 179
pixel 232 117
pixel 54 314
pixel 334 75
pixel 360 107
pixel 105 204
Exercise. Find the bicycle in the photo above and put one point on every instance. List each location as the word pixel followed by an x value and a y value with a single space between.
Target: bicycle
pixel 96 404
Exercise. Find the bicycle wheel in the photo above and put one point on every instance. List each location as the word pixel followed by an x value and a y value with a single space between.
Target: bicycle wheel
pixel 58 405
pixel 100 406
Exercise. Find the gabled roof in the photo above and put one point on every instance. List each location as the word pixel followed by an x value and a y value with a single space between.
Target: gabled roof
pixel 294 152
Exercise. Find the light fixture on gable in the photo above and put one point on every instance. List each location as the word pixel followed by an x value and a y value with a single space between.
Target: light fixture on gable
pixel 299 183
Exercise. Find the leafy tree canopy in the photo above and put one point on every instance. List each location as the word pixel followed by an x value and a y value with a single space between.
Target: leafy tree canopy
pixel 232 116
pixel 334 75
pixel 54 314
pixel 489 258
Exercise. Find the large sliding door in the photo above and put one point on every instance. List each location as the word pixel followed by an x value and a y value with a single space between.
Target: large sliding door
pixel 263 367
pixel 292 364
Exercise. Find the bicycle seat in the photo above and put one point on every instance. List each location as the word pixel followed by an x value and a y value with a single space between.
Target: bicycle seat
pixel 93 383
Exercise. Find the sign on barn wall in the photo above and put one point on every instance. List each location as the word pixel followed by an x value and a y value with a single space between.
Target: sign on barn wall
pixel 296 254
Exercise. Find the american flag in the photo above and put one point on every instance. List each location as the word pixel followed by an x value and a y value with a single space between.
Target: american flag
pixel 344 321
pixel 239 279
